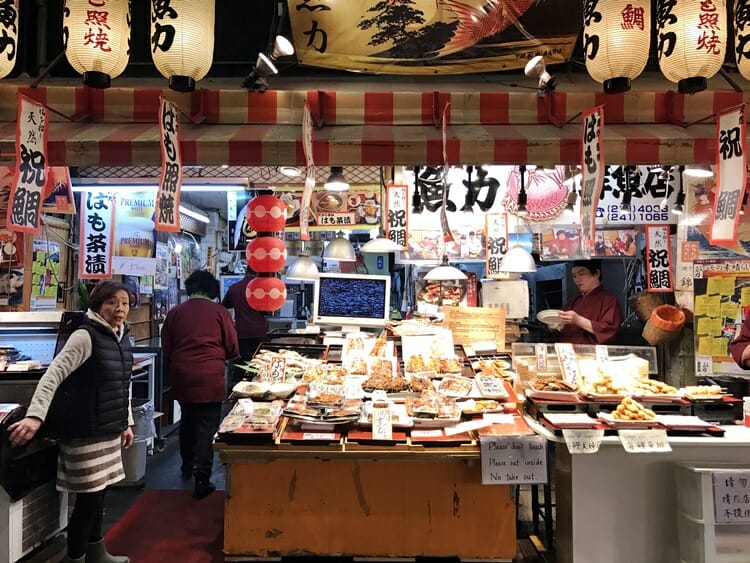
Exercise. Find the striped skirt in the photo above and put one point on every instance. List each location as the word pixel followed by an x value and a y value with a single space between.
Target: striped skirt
pixel 89 465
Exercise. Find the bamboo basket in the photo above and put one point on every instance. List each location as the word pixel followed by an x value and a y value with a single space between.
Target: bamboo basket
pixel 644 303
pixel 665 324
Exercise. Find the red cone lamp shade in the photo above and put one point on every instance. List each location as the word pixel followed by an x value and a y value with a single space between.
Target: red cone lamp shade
pixel 266 294
pixel 266 214
pixel 266 254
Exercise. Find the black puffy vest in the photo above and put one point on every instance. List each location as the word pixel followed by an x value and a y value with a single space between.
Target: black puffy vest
pixel 93 400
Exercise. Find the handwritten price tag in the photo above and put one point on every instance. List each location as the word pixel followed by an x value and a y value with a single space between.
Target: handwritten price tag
pixel 540 351
pixel 583 441
pixel 278 367
pixel 567 357
pixel 602 354
pixel 318 436
pixel 644 441
pixel 704 366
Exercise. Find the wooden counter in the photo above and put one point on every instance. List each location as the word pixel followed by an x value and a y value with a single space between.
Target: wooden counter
pixel 325 500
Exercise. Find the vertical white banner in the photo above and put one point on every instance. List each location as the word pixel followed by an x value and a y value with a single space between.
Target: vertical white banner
pixel 496 226
pixel 592 160
pixel 167 216
pixel 32 170
pixel 305 210
pixel 658 259
pixel 397 213
pixel 97 223
pixel 730 175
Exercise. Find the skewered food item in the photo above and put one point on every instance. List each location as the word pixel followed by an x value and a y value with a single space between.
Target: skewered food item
pixel 630 409
pixel 603 385
pixel 701 391
pixel 552 383
pixel 493 367
pixel 654 387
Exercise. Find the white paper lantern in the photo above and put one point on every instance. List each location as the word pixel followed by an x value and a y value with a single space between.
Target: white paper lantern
pixel 616 39
pixel 8 37
pixel 182 40
pixel 742 36
pixel 691 38
pixel 97 39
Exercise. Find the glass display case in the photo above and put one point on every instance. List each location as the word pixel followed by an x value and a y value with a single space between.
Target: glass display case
pixel 527 350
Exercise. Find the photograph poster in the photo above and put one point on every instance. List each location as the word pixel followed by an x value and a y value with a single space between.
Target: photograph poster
pixel 45 267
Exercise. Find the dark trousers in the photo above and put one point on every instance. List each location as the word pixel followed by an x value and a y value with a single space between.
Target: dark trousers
pixel 198 424
pixel 85 524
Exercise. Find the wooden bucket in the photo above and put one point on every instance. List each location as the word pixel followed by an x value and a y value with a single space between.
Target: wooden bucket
pixel 665 324
pixel 644 303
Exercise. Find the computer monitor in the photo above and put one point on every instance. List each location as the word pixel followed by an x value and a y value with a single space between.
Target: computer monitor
pixel 352 300
pixel 227 281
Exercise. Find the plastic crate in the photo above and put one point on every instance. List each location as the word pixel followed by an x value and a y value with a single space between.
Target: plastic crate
pixel 701 542
pixel 694 483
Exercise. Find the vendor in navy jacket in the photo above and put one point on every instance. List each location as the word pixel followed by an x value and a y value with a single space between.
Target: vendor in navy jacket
pixel 197 338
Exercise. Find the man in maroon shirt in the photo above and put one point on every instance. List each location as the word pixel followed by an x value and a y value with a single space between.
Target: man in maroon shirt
pixel 593 317
pixel 197 339
pixel 251 325
pixel 740 347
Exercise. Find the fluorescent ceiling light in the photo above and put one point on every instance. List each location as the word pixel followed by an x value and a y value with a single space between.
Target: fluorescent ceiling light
pixel 153 187
pixel 194 214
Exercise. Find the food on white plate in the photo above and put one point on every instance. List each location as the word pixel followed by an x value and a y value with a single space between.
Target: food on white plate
pixel 456 386
pixel 552 383
pixel 493 367
pixel 251 388
pixel 419 383
pixel 630 409
pixel 603 385
pixel 480 406
pixel 415 363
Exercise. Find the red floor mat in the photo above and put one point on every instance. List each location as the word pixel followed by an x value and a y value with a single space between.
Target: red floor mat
pixel 171 526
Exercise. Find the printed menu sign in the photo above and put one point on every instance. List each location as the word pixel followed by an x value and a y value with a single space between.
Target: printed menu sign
pixel 476 324
pixel 513 460
pixel 97 221
pixel 731 496
pixel 496 225
pixel 659 259
pixel 398 214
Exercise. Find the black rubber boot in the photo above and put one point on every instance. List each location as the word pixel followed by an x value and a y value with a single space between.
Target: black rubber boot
pixel 203 486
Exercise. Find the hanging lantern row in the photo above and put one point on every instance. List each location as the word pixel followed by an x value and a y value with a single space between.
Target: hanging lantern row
pixel 266 254
pixel 691 40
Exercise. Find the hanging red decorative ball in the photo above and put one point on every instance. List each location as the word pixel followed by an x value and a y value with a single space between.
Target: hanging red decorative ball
pixel 266 254
pixel 266 294
pixel 266 214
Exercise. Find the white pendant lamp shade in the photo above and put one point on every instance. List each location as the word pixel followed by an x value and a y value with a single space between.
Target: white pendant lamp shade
pixel 517 260
pixel 381 244
pixel 182 40
pixel 617 36
pixel 742 36
pixel 97 39
pixel 340 249
pixel 444 272
pixel 303 268
pixel 691 37
pixel 9 33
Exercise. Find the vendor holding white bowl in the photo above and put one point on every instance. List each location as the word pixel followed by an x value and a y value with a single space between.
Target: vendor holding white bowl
pixel 594 316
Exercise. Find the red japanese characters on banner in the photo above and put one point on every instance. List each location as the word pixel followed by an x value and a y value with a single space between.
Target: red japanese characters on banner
pixel 97 223
pixel 496 226
pixel 592 180
pixel 397 214
pixel 305 210
pixel 658 259
pixel 168 196
pixel 731 162
pixel 266 254
pixel 266 294
pixel 32 171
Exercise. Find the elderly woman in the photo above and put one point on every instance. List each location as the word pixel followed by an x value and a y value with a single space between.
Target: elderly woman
pixel 83 400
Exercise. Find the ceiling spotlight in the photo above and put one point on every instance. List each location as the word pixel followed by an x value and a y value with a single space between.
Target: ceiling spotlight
pixel 265 67
pixel 536 68
pixel 290 171
pixel 416 198
pixel 521 210
pixel 336 181
pixel 570 203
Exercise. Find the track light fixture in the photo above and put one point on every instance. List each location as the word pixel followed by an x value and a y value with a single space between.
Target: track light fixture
pixel 265 65
pixel 679 204
pixel 536 68
pixel 416 197
pixel 336 181
pixel 521 210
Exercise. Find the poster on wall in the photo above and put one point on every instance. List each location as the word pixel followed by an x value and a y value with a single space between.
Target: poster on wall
pixel 722 303
pixel 45 268
pixel 59 193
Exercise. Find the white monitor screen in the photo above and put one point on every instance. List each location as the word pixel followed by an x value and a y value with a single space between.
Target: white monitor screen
pixel 352 299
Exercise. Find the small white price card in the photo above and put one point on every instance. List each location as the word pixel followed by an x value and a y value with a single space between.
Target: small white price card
pixel 650 440
pixel 382 426
pixel 567 357
pixel 318 436
pixel 732 496
pixel 602 355
pixel 704 366
pixel 278 367
pixel 512 460
pixel 540 351
pixel 426 433
pixel 583 441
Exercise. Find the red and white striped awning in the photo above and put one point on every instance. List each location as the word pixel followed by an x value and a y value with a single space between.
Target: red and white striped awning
pixel 118 127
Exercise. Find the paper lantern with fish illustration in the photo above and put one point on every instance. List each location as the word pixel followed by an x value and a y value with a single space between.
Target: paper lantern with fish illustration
pixel 691 41
pixel 266 214
pixel 182 41
pixel 96 45
pixel 266 294
pixel 266 254
pixel 9 33
pixel 616 40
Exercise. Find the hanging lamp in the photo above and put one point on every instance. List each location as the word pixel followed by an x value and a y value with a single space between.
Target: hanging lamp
pixel 336 181
pixel 340 249
pixel 97 48
pixel 445 272
pixel 9 33
pixel 182 41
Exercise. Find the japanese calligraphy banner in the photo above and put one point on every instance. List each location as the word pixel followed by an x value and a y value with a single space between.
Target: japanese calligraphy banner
pixel 659 259
pixel 428 37
pixel 97 222
pixel 592 179
pixel 32 171
pixel 397 223
pixel 168 195
pixel 731 162
pixel 305 210
pixel 496 225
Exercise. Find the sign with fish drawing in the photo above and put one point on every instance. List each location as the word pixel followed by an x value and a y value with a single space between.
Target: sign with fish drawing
pixel 425 36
